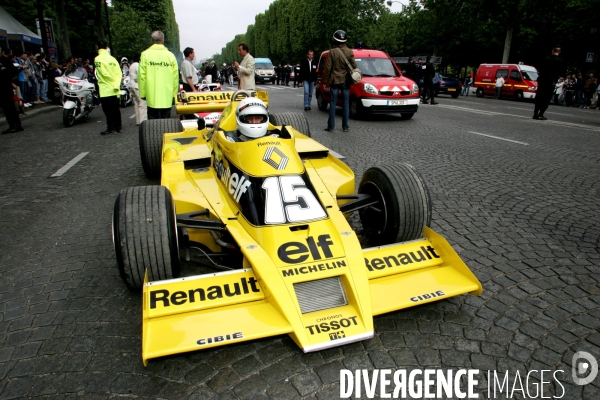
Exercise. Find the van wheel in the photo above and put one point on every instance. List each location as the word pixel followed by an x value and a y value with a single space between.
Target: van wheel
pixel 144 231
pixel 356 108
pixel 519 96
pixel 479 92
pixel 321 104
pixel 455 95
pixel 403 208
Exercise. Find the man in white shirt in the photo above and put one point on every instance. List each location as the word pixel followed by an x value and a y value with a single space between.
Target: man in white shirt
pixel 188 71
pixel 499 84
pixel 139 105
pixel 245 69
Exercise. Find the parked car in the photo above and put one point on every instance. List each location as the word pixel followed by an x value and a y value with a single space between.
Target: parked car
pixel 448 85
pixel 383 89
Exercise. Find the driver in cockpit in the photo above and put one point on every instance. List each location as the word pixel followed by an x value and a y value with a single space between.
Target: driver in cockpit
pixel 252 119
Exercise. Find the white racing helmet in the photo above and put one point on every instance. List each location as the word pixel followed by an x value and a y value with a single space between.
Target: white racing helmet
pixel 252 107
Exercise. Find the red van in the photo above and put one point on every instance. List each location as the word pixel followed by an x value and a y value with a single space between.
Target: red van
pixel 520 81
pixel 382 89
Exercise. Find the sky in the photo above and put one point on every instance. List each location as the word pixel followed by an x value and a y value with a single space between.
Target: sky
pixel 207 26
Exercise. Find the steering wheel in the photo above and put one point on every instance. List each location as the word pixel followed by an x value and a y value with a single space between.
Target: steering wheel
pixel 240 92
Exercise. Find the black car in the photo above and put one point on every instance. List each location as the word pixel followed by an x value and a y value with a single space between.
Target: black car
pixel 448 85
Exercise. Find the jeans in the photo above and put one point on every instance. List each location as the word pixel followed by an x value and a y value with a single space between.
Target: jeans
pixel 308 92
pixel 44 90
pixel 465 91
pixel 345 89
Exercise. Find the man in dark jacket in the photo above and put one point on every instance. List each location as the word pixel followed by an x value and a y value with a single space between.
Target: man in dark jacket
pixel 308 76
pixel 549 70
pixel 336 75
pixel 410 69
pixel 8 73
pixel 427 73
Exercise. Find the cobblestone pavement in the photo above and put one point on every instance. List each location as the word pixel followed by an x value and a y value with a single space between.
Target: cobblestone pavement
pixel 523 214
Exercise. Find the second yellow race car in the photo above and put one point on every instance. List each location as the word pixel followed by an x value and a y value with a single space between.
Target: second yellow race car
pixel 269 210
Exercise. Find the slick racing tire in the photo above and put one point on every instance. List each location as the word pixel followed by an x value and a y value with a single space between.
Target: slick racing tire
pixel 404 206
pixel 173 113
pixel 69 117
pixel 295 120
pixel 321 103
pixel 145 235
pixel 151 138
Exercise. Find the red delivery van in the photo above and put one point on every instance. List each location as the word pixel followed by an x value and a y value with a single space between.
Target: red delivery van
pixel 520 81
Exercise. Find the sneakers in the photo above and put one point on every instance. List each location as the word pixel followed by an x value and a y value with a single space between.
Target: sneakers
pixel 27 105
pixel 347 130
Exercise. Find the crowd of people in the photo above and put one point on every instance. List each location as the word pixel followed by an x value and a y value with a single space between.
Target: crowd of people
pixel 577 91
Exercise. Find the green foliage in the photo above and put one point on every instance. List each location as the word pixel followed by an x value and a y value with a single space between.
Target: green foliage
pixel 131 34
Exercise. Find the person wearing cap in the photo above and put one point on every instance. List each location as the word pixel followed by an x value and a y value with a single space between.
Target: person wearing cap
pixel 158 77
pixel 336 75
pixel 109 77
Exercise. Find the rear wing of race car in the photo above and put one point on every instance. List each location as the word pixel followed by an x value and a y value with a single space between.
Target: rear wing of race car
pixel 200 102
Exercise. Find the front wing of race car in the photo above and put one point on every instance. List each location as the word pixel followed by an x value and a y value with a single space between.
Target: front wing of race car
pixel 322 304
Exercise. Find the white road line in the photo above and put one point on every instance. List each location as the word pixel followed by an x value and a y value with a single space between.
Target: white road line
pixel 301 95
pixel 500 138
pixel 133 116
pixel 68 165
pixel 553 122
pixel 547 112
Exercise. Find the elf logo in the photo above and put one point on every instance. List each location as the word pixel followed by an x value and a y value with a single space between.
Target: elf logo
pixel 297 252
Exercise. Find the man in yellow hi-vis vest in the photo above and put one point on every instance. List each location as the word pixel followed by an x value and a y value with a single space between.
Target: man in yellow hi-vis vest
pixel 109 77
pixel 158 77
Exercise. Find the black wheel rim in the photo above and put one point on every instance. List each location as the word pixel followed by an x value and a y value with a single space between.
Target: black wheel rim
pixel 374 218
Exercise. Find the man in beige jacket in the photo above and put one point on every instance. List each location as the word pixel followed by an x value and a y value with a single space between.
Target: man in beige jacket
pixel 245 69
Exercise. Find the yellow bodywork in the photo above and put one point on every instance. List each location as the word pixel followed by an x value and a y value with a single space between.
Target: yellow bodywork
pixel 261 300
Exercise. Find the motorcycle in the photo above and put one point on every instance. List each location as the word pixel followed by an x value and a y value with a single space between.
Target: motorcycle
pixel 126 98
pixel 78 98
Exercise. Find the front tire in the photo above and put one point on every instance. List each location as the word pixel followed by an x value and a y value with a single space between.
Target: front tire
pixel 69 117
pixel 407 115
pixel 479 92
pixel 356 109
pixel 321 103
pixel 296 120
pixel 151 138
pixel 519 96
pixel 404 207
pixel 145 235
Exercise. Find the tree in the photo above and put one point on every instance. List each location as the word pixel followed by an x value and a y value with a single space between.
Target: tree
pixel 131 34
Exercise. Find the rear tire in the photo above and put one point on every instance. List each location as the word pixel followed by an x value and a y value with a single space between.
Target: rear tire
pixel 479 92
pixel 296 120
pixel 455 95
pixel 145 235
pixel 173 113
pixel 404 207
pixel 151 137
pixel 321 103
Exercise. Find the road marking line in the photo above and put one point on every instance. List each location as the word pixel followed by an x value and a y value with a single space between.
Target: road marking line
pixel 499 138
pixel 133 116
pixel 553 122
pixel 301 95
pixel 68 165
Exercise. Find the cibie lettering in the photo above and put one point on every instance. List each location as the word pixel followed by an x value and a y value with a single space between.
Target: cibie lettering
pixel 426 253
pixel 223 338
pixel 167 299
pixel 297 252
pixel 427 296
pixel 236 184
pixel 332 325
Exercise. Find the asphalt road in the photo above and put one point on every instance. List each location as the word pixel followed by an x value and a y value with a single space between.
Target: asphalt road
pixel 518 199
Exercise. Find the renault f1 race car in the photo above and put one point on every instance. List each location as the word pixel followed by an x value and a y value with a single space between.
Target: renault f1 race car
pixel 271 216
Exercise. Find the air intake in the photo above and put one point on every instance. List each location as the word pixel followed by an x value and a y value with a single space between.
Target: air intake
pixel 320 295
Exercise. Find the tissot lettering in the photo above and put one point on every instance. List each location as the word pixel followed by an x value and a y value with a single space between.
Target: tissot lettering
pixel 222 338
pixel 164 298
pixel 426 253
pixel 427 296
pixel 332 325
pixel 313 268
pixel 297 252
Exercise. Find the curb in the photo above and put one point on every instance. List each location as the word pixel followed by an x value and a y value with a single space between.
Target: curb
pixel 31 113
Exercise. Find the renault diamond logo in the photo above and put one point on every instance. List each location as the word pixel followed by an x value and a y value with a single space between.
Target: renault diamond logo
pixel 275 158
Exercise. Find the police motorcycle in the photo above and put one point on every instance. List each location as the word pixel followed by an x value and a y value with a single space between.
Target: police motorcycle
pixel 78 97
pixel 126 98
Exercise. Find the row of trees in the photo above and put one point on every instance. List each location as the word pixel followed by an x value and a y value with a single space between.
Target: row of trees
pixel 78 25
pixel 463 32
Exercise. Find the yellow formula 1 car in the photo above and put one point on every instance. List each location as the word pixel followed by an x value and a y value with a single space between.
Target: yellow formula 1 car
pixel 271 214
